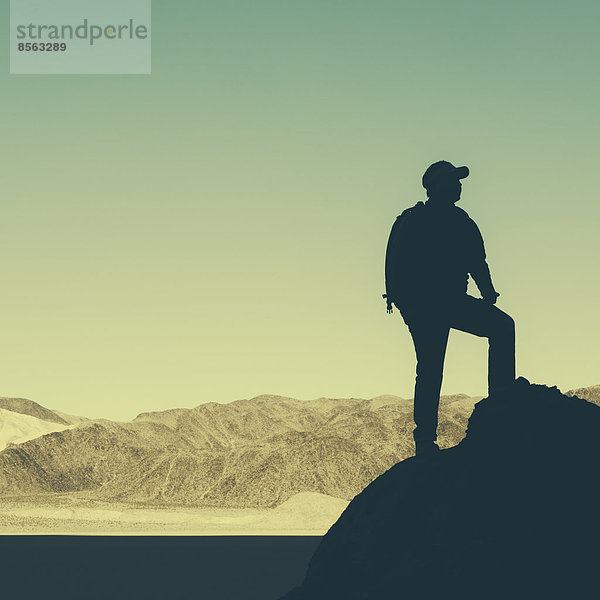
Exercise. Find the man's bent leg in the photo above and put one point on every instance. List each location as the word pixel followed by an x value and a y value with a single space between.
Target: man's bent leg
pixel 430 340
pixel 475 316
pixel 501 355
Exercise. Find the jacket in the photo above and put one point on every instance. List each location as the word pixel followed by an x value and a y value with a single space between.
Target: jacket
pixel 431 252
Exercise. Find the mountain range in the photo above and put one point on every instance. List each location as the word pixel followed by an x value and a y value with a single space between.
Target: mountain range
pixel 257 452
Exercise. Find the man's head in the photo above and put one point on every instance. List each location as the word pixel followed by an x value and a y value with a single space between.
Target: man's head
pixel 442 181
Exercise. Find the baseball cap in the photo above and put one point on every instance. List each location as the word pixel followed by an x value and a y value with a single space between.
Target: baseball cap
pixel 440 170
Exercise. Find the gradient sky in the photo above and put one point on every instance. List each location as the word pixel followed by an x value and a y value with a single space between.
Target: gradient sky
pixel 217 230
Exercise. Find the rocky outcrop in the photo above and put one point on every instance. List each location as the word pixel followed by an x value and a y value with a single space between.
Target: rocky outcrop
pixel 511 512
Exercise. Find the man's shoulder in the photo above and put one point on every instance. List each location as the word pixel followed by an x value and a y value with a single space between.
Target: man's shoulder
pixel 461 212
pixel 411 210
pixel 463 216
pixel 407 220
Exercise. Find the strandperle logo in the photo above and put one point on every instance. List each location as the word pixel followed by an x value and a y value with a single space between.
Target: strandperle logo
pixel 80 37
pixel 85 31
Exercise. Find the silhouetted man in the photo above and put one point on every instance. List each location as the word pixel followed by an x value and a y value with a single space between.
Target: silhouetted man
pixel 432 250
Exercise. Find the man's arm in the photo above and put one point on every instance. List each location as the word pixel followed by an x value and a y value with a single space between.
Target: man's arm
pixel 478 266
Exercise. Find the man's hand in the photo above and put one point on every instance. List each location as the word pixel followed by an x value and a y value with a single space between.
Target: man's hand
pixel 491 298
pixel 390 310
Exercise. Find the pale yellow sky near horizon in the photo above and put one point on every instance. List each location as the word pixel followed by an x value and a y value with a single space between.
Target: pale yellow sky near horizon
pixel 217 230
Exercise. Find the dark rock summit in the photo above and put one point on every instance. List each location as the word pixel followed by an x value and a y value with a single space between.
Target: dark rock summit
pixel 511 512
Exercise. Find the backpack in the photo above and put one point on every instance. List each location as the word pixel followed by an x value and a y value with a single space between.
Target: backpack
pixel 396 255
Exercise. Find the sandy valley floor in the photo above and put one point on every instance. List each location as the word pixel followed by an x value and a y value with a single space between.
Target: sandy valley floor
pixel 304 514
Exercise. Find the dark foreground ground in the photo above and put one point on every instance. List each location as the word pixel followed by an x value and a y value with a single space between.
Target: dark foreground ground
pixel 169 567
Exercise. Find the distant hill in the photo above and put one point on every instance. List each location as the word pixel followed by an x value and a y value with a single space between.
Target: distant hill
pixel 70 419
pixel 22 420
pixel 16 428
pixel 31 408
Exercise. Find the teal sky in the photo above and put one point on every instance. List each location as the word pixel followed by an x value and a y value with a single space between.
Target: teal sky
pixel 217 230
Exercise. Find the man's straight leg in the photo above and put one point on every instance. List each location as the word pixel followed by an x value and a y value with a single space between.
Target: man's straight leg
pixel 475 316
pixel 430 339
